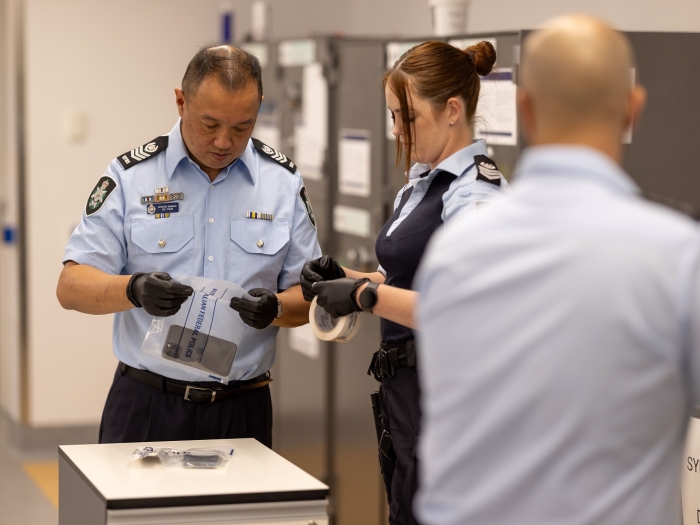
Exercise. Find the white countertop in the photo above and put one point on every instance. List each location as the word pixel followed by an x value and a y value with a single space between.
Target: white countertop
pixel 255 473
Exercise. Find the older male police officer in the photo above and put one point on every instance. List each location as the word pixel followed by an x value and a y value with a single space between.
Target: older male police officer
pixel 204 200
pixel 560 328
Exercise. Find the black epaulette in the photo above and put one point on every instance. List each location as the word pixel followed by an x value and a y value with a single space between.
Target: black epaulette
pixel 487 170
pixel 687 209
pixel 133 157
pixel 275 155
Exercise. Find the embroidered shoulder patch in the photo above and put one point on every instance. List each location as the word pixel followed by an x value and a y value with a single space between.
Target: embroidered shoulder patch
pixel 274 155
pixel 307 204
pixel 133 157
pixel 487 170
pixel 105 187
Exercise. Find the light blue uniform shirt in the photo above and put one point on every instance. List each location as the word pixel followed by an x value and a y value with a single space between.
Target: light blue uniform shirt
pixel 209 237
pixel 464 193
pixel 559 347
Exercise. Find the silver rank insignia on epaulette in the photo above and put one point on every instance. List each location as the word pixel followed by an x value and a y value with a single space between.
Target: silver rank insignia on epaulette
pixel 275 155
pixel 256 215
pixel 136 155
pixel 487 170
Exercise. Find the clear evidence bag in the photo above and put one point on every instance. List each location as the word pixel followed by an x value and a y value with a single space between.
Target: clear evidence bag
pixel 203 336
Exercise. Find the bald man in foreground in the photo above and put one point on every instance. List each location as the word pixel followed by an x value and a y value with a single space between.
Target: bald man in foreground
pixel 559 332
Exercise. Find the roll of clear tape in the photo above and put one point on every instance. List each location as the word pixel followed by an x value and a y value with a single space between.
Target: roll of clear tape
pixel 329 328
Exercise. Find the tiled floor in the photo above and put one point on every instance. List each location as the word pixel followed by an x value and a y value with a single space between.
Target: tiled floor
pixel 28 485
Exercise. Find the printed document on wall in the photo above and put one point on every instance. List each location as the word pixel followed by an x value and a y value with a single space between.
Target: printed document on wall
pixel 311 130
pixel 496 113
pixel 354 162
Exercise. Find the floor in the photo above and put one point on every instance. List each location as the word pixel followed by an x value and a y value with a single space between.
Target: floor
pixel 28 484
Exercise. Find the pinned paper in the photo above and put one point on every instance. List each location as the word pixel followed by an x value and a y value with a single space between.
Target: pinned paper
pixel 351 220
pixel 496 113
pixel 354 162
pixel 311 130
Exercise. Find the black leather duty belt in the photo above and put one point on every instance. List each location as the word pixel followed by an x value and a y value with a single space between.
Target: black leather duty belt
pixel 390 357
pixel 199 393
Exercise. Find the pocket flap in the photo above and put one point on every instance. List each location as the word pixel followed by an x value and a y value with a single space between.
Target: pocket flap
pixel 260 236
pixel 162 235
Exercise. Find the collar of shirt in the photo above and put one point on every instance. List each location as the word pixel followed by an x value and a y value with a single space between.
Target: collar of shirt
pixel 177 151
pixel 573 162
pixel 458 163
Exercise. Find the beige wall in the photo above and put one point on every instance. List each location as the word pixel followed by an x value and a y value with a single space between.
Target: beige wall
pixel 9 287
pixel 628 15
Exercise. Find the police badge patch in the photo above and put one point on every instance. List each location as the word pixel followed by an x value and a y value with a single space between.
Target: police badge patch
pixel 487 170
pixel 307 204
pixel 105 187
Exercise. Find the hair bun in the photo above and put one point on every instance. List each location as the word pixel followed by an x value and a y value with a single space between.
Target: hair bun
pixel 483 55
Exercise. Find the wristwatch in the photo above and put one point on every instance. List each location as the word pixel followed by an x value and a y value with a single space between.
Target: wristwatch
pixel 368 297
pixel 279 309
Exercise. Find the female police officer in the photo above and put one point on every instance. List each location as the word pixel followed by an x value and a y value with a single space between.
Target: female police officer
pixel 432 93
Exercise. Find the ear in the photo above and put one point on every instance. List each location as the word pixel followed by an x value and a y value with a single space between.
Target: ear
pixel 454 109
pixel 635 107
pixel 180 101
pixel 527 114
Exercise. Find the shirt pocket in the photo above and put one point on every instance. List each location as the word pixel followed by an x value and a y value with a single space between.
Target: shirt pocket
pixel 258 250
pixel 163 245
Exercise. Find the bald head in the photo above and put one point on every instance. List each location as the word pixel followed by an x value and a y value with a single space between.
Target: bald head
pixel 576 73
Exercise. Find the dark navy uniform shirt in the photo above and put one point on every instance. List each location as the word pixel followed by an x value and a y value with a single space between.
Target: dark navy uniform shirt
pixel 430 198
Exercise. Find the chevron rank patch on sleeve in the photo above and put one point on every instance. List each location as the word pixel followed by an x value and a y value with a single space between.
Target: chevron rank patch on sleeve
pixel 274 155
pixel 133 157
pixel 487 170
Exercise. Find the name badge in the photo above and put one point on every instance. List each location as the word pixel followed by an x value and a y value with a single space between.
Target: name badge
pixel 160 208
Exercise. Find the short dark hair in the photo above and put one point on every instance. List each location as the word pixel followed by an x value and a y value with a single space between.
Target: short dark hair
pixel 233 67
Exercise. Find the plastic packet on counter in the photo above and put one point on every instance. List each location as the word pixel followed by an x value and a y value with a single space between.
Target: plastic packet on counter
pixel 209 458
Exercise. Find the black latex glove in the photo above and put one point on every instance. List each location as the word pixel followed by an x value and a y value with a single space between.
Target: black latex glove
pixel 337 297
pixel 258 314
pixel 322 269
pixel 157 293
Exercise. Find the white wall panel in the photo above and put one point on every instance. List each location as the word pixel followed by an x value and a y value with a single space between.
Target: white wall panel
pixel 10 377
pixel 118 62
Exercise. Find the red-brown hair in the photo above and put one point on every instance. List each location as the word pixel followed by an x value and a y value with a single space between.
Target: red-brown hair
pixel 437 71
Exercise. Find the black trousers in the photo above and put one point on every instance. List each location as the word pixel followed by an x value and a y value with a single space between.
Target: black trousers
pixel 137 412
pixel 399 396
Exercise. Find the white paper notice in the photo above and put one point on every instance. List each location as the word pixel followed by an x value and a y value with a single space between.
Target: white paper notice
pixel 311 130
pixel 293 53
pixel 355 221
pixel 496 113
pixel 303 340
pixel 354 162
